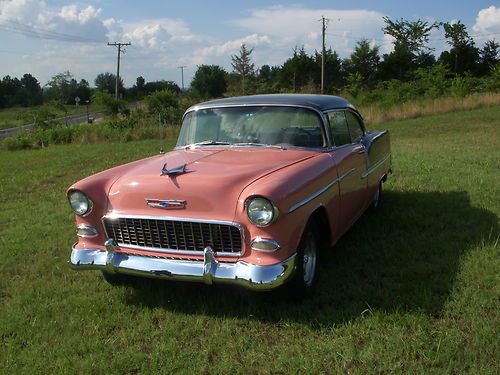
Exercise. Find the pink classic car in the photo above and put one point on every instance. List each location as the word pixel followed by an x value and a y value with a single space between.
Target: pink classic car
pixel 254 189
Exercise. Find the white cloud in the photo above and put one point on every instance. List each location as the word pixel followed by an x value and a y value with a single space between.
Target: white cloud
pixel 487 25
pixel 301 26
pixel 160 45
pixel 25 11
pixel 232 46
pixel 72 13
pixel 69 23
pixel 114 27
pixel 151 36
pixel 487 20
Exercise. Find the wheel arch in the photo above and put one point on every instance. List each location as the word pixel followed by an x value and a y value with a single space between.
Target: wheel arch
pixel 320 217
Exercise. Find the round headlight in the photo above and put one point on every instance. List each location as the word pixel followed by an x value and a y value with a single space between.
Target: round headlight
pixel 79 202
pixel 261 211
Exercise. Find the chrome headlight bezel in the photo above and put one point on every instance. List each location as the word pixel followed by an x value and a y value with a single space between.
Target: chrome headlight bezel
pixel 271 210
pixel 86 201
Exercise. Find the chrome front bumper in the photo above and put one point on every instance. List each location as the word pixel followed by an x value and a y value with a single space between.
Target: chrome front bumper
pixel 208 271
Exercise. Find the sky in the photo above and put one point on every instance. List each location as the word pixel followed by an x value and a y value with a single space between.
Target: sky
pixel 48 37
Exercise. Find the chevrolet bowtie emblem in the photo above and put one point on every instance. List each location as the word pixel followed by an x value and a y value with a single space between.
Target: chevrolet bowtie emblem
pixel 174 171
pixel 172 204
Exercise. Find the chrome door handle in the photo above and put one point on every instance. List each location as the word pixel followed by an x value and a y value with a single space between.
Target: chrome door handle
pixel 359 150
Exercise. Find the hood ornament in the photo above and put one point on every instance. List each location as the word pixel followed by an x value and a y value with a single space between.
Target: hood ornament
pixel 172 204
pixel 174 171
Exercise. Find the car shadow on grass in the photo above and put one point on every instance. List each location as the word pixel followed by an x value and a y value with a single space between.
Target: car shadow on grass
pixel 402 258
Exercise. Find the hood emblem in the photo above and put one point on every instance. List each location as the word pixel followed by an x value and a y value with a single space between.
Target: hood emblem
pixel 174 171
pixel 172 204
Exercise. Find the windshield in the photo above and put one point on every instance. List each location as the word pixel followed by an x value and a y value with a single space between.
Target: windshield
pixel 253 126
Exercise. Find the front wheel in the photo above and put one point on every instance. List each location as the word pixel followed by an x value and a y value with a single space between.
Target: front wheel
pixel 306 274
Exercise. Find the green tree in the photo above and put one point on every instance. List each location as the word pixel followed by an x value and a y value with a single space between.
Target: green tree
pixel 333 70
pixel 110 103
pixel 243 66
pixel 490 56
pixel 151 87
pixel 10 86
pixel 32 87
pixel 164 103
pixel 59 87
pixel 82 90
pixel 298 71
pixel 267 77
pixel 140 82
pixel 210 81
pixel 463 55
pixel 107 81
pixel 364 60
pixel 410 39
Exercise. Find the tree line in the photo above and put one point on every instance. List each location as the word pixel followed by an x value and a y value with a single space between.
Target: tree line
pixel 64 88
pixel 410 63
pixel 365 68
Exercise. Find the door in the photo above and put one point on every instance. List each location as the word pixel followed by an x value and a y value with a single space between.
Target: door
pixel 350 157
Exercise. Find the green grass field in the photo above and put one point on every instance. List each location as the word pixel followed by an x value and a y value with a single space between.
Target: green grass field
pixel 412 288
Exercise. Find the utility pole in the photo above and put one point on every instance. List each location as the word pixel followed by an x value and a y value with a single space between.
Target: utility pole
pixel 120 50
pixel 182 75
pixel 324 22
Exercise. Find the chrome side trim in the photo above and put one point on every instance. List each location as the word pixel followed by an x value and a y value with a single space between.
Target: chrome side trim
pixel 209 270
pixel 320 191
pixel 375 166
pixel 174 251
pixel 92 232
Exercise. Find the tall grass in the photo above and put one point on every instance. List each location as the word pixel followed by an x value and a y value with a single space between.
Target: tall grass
pixel 376 113
pixel 104 132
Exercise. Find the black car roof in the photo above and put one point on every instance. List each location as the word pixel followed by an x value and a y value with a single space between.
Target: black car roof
pixel 318 102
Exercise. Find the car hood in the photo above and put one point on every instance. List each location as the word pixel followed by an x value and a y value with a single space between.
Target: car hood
pixel 211 184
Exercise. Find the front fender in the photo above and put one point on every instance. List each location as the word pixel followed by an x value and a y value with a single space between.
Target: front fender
pixel 285 188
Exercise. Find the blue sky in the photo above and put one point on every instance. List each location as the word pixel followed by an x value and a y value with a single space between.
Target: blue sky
pixel 48 37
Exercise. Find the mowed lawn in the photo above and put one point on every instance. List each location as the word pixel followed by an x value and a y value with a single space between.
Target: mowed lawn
pixel 412 288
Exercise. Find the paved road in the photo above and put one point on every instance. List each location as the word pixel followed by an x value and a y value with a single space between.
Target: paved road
pixel 70 120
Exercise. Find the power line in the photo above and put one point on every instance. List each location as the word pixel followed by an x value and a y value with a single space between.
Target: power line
pixel 16 27
pixel 120 50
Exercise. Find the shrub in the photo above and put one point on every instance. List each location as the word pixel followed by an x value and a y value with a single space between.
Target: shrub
pixel 493 81
pixel 462 86
pixel 164 103
pixel 111 104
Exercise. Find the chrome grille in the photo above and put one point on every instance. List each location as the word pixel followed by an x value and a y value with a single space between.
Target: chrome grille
pixel 173 235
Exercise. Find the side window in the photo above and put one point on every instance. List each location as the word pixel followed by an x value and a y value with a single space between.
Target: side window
pixel 355 127
pixel 338 126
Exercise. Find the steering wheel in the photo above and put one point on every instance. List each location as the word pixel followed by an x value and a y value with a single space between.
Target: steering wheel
pixel 296 132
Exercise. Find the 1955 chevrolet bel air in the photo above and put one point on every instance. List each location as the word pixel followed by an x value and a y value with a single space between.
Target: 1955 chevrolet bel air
pixel 254 189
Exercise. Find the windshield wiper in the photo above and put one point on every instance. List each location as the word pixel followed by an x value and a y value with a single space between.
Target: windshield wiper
pixel 253 144
pixel 207 143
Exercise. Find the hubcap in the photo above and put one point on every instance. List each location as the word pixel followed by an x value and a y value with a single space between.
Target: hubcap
pixel 309 260
pixel 376 199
